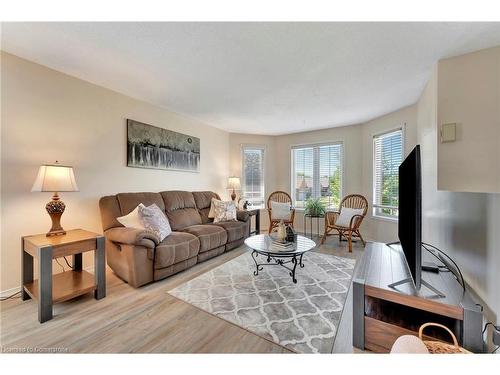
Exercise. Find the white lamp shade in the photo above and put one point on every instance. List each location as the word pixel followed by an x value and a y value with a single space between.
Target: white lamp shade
pixel 55 178
pixel 233 183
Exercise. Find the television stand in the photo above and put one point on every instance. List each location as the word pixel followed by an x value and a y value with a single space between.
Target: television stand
pixel 381 314
pixel 424 283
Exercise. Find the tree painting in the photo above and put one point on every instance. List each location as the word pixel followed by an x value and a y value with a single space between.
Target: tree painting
pixel 152 147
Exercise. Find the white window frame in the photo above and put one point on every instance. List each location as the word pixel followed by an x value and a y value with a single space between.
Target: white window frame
pixel 312 145
pixel 391 218
pixel 248 146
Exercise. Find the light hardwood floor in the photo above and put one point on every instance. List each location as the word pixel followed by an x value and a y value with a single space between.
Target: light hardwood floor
pixel 147 319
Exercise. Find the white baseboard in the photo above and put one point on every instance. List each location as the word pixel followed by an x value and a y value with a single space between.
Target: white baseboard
pixel 8 292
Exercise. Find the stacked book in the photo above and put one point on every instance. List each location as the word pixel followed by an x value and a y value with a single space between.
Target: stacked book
pixel 282 245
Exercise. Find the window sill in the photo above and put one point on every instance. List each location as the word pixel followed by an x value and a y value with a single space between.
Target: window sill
pixel 393 220
pixel 302 209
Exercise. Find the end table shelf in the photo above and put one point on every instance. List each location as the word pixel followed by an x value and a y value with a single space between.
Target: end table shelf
pixel 49 288
pixel 65 285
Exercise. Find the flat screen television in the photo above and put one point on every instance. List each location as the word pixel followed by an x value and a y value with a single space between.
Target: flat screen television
pixel 410 213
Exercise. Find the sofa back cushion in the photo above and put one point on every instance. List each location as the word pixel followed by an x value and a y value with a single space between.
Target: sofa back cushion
pixel 203 200
pixel 129 201
pixel 180 208
pixel 122 204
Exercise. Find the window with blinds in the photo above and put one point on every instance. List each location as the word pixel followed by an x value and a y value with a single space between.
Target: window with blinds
pixel 317 173
pixel 253 175
pixel 388 154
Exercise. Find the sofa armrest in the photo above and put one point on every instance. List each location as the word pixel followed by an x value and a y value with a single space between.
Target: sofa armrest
pixel 242 215
pixel 133 236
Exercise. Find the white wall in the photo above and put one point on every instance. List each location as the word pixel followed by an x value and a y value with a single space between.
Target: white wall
pixel 48 116
pixel 348 135
pixel 469 95
pixel 464 225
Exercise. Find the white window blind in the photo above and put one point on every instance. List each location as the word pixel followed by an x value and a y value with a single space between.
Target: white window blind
pixel 387 156
pixel 317 173
pixel 253 175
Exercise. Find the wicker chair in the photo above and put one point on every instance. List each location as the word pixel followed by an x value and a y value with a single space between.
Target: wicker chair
pixel 351 201
pixel 282 197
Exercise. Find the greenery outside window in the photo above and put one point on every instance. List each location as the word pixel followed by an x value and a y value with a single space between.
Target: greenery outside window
pixel 388 152
pixel 317 173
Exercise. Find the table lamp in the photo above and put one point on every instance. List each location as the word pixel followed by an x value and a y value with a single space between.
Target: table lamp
pixel 55 178
pixel 234 184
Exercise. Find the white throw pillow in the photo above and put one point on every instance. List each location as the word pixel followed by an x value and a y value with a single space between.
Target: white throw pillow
pixel 132 220
pixel 211 213
pixel 280 211
pixel 155 220
pixel 224 211
pixel 346 214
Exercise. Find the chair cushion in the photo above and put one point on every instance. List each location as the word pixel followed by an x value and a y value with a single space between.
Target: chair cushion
pixel 346 214
pixel 235 229
pixel 175 248
pixel 210 236
pixel 280 211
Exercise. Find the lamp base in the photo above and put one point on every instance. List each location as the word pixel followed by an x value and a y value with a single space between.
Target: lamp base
pixel 55 233
pixel 55 209
pixel 233 196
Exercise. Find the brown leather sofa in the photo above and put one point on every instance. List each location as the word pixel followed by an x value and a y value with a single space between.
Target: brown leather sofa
pixel 138 256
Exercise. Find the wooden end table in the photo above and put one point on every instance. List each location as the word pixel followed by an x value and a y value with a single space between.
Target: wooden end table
pixel 50 289
pixel 254 212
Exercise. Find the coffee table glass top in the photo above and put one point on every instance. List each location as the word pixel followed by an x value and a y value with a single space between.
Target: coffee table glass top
pixel 263 243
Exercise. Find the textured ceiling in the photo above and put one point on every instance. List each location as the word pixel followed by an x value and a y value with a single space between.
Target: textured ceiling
pixel 265 78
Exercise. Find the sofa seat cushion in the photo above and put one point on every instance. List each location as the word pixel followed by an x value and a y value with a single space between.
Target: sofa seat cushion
pixel 175 248
pixel 210 236
pixel 235 229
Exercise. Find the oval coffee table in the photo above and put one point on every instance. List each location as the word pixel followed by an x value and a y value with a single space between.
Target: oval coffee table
pixel 263 244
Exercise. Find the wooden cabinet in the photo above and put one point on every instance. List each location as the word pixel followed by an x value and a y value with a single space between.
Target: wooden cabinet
pixel 381 314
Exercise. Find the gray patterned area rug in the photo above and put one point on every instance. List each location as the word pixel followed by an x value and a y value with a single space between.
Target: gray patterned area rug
pixel 303 317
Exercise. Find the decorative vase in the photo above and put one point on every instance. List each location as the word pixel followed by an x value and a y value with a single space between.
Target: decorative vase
pixel 281 231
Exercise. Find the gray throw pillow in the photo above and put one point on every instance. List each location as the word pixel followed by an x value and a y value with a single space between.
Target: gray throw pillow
pixel 154 220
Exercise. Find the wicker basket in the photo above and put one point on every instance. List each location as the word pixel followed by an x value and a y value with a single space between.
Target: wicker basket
pixel 438 347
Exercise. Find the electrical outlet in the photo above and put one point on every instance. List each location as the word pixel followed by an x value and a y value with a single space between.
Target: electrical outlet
pixel 496 335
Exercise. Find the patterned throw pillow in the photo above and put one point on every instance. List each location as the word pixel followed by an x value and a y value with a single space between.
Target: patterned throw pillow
pixel 154 219
pixel 211 213
pixel 224 211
